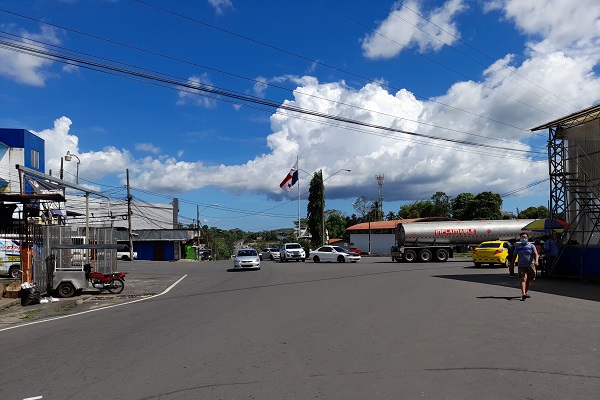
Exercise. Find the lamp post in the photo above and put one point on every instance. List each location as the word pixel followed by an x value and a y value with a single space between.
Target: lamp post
pixel 198 227
pixel 68 157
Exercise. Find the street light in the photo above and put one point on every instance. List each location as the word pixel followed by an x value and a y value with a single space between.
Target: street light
pixel 198 227
pixel 68 157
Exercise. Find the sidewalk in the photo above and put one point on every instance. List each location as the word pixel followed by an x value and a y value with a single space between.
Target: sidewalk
pixel 13 313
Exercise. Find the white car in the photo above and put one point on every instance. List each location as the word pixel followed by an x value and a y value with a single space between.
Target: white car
pixel 246 259
pixel 333 254
pixel 292 251
pixel 125 255
pixel 269 253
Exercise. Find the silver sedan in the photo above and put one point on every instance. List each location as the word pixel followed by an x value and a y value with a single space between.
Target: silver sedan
pixel 246 259
pixel 333 254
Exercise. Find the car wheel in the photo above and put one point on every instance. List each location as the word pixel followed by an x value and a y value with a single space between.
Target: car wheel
pixel 272 258
pixel 410 256
pixel 14 272
pixel 125 258
pixel 316 259
pixel 507 263
pixel 260 257
pixel 341 259
pixel 477 265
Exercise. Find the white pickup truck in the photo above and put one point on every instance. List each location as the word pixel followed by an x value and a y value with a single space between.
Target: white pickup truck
pixel 124 254
pixel 10 258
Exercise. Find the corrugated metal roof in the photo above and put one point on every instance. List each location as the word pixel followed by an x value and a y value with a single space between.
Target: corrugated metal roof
pixel 578 118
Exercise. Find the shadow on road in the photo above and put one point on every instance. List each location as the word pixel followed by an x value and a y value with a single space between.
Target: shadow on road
pixel 585 290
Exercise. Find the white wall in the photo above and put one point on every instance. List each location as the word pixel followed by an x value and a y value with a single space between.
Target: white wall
pixel 380 243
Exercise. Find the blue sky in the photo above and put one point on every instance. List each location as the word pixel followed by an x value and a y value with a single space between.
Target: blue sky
pixel 480 73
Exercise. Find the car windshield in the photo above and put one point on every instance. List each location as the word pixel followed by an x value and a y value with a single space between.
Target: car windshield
pixel 272 250
pixel 247 253
pixel 340 249
pixel 293 246
pixel 489 245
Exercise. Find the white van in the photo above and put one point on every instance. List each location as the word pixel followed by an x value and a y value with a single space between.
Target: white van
pixel 10 258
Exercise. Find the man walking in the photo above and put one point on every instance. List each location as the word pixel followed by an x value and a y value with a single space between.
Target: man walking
pixel 528 260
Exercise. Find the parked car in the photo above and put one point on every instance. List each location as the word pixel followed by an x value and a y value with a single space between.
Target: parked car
pixel 292 251
pixel 333 254
pixel 246 259
pixel 494 252
pixel 269 253
pixel 353 249
pixel 124 254
pixel 205 255
pixel 10 259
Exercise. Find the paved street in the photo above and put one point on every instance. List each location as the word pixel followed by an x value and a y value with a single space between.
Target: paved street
pixel 371 330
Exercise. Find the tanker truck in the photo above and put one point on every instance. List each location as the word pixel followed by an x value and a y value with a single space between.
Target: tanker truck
pixel 436 241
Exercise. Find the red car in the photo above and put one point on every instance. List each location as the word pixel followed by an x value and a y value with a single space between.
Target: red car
pixel 353 249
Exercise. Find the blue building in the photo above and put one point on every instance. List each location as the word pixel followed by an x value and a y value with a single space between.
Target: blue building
pixel 19 146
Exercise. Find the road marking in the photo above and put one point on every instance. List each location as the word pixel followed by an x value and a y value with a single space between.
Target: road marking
pixel 33 398
pixel 94 310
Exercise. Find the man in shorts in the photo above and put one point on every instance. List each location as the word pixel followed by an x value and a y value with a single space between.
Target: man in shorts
pixel 528 259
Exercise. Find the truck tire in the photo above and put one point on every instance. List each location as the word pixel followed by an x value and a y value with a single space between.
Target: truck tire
pixel 410 256
pixel 425 255
pixel 441 255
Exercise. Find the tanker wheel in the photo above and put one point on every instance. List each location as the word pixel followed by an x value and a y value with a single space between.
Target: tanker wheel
pixel 441 255
pixel 410 256
pixel 116 286
pixel 65 289
pixel 425 255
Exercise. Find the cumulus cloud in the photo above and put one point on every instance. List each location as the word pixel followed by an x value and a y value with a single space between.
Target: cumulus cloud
pixel 94 164
pixel 25 68
pixel 221 5
pixel 404 27
pixel 190 96
pixel 147 147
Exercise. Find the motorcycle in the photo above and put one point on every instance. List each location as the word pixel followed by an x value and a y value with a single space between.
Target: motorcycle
pixel 113 282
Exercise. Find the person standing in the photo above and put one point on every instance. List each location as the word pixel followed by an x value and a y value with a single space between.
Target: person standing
pixel 528 260
pixel 511 252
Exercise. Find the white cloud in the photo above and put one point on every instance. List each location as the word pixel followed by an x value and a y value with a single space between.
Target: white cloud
pixel 404 28
pixel 199 98
pixel 147 147
pixel 25 68
pixel 554 25
pixel 221 5
pixel 94 165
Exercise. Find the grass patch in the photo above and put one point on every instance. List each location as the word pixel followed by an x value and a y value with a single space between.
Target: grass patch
pixel 65 308
pixel 29 314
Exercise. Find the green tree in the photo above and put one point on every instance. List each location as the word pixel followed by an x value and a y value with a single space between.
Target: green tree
pixel 416 209
pixel 534 213
pixel 487 205
pixel 335 224
pixel 442 207
pixel 315 207
pixel 462 206
pixel 391 216
pixel 363 206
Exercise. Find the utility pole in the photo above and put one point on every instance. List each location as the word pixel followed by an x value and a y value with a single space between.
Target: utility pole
pixel 197 232
pixel 129 218
pixel 175 213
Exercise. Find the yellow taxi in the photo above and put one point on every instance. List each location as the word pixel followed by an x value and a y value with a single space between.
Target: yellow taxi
pixel 494 252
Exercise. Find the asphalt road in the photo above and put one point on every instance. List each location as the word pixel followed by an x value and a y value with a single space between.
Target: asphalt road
pixel 370 330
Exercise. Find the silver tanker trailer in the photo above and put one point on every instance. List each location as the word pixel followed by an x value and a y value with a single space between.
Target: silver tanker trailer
pixel 436 241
